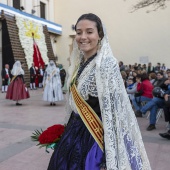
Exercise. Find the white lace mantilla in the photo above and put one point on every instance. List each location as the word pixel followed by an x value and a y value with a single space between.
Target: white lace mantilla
pixel 123 142
pixel 86 84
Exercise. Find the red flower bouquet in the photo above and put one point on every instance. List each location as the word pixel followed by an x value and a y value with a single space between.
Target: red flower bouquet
pixel 50 137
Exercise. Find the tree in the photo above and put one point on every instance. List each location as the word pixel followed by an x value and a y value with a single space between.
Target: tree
pixel 156 4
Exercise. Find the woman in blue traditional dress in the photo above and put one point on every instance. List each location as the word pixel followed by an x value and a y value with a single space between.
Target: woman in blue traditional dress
pixel 102 131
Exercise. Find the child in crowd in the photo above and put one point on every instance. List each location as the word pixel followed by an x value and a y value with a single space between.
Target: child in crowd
pixel 131 88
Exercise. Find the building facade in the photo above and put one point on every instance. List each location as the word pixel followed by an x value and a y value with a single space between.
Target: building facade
pixel 40 12
pixel 137 37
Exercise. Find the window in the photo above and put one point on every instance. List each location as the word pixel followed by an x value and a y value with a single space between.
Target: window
pixel 16 4
pixel 42 10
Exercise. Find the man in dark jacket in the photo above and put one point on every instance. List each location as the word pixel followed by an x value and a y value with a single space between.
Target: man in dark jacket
pixel 6 76
pixel 62 74
pixel 32 77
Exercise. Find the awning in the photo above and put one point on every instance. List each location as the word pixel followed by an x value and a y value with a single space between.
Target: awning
pixel 52 27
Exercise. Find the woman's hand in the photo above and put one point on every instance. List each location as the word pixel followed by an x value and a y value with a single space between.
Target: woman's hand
pixel 166 97
pixel 167 82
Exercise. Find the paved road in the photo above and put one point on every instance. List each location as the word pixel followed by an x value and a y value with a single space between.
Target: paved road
pixel 18 152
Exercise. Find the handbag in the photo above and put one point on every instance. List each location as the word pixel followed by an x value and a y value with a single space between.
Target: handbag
pixel 140 92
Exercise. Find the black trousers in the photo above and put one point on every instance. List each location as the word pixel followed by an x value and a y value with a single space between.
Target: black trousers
pixel 5 82
pixel 167 113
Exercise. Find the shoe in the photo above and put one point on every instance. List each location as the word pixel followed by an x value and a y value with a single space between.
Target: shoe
pixel 138 113
pixel 151 127
pixel 51 104
pixel 165 135
pixel 18 104
pixel 54 104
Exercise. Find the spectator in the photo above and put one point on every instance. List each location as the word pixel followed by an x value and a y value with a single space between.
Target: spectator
pixel 150 68
pixel 144 67
pixel 121 66
pixel 145 85
pixel 32 77
pixel 158 68
pixel 40 77
pixel 134 74
pixel 124 76
pixel 160 79
pixel 136 66
pixel 131 88
pixel 139 67
pixel 6 77
pixel 62 74
pixel 163 67
pixel 152 77
pixel 154 104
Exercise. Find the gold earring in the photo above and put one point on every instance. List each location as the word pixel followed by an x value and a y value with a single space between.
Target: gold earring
pixel 99 42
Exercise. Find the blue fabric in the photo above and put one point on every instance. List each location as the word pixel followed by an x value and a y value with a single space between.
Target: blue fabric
pixel 153 106
pixel 130 86
pixel 76 148
pixel 134 159
pixel 137 105
pixel 94 158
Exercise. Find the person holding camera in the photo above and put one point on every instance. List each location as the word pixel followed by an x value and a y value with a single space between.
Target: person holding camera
pixel 157 102
pixel 144 91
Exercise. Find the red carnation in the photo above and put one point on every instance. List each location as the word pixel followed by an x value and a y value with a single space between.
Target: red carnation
pixel 51 134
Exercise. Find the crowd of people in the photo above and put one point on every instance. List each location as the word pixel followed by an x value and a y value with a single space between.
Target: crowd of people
pixel 50 78
pixel 148 88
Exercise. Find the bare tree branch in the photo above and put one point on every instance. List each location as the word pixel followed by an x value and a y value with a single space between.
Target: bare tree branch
pixel 156 4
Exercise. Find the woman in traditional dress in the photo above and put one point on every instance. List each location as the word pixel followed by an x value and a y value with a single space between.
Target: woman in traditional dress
pixel 52 84
pixel 102 131
pixel 17 89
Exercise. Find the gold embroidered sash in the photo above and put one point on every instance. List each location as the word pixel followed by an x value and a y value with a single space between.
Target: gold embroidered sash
pixel 89 117
pixel 13 78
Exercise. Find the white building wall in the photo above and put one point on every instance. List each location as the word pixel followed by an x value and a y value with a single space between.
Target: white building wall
pixel 35 5
pixel 131 35
pixel 4 2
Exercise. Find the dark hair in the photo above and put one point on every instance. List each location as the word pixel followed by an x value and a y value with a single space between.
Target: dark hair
pixel 121 62
pixel 144 76
pixel 160 72
pixel 132 79
pixel 138 76
pixel 94 18
pixel 152 75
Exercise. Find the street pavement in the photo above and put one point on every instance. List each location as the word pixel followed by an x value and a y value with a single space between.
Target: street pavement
pixel 18 152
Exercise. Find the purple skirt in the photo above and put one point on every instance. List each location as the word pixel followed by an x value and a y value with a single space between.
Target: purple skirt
pixel 77 149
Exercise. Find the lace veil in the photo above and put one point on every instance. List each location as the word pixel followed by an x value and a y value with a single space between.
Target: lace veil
pixel 17 69
pixel 51 66
pixel 123 142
